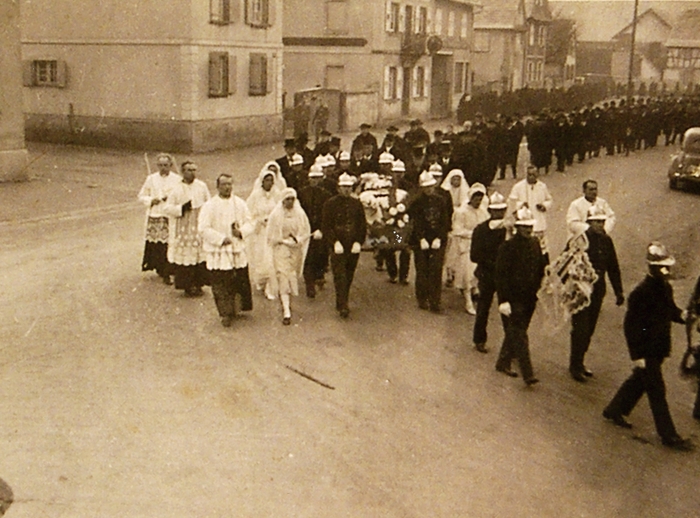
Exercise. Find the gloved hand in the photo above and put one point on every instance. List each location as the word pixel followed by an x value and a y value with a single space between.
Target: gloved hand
pixel 619 299
pixel 684 315
pixel 356 248
pixel 186 207
pixel 424 245
pixel 338 247
pixel 639 364
pixel 505 309
pixel 435 244
pixel 317 234
pixel 289 241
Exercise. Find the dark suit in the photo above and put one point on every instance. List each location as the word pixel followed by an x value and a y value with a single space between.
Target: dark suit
pixel 647 325
pixel 519 271
pixel 343 220
pixel 603 258
pixel 312 199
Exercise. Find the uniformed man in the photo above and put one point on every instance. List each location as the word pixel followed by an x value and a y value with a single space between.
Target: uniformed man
pixel 647 325
pixel 601 253
pixel 432 220
pixel 312 198
pixel 344 228
pixel 519 271
pixel 486 240
pixel 365 138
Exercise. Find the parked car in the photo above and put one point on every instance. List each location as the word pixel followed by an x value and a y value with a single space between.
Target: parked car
pixel 685 166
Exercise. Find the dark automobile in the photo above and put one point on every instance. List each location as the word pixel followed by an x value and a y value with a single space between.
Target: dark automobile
pixel 685 167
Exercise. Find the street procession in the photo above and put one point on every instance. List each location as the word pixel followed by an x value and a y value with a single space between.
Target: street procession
pixel 314 212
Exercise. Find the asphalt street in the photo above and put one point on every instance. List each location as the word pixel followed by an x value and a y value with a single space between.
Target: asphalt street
pixel 120 397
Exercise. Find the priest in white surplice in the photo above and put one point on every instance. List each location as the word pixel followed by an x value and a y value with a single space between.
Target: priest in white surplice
pixel 224 223
pixel 185 242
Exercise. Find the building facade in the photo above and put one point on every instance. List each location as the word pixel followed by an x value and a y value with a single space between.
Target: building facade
pixel 13 155
pixel 183 75
pixel 390 60
pixel 683 47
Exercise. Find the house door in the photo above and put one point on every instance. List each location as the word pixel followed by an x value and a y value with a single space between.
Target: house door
pixel 406 92
pixel 440 105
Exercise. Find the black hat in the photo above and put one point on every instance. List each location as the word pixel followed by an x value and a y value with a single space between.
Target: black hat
pixel 290 142
pixel 335 140
pixel 438 133
pixel 392 128
pixel 416 122
pixel 364 125
pixel 325 133
pixel 303 137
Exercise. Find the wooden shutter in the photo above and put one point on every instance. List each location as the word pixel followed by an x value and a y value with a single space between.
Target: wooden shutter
pixel 402 20
pixel 438 21
pixel 399 82
pixel 216 72
pixel 28 78
pixel 61 73
pixel 387 82
pixel 426 81
pixel 248 11
pixel 414 83
pixel 257 83
pixel 387 20
pixel 232 74
pixel 270 10
pixel 429 21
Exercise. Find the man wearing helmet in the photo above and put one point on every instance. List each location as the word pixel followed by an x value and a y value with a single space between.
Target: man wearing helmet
pixel 603 258
pixel 647 326
pixel 486 240
pixel 519 271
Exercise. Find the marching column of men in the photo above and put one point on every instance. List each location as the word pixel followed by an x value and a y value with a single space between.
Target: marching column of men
pixel 509 249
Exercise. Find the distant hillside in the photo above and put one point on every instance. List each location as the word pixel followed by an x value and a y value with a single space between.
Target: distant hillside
pixel 601 20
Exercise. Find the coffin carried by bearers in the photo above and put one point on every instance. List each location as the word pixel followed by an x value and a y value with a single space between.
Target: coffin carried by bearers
pixel 385 207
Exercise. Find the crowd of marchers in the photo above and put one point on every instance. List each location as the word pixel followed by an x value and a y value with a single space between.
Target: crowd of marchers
pixel 314 210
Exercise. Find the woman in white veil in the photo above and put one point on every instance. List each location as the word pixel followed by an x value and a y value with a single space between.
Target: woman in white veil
pixel 455 184
pixel 288 233
pixel 261 202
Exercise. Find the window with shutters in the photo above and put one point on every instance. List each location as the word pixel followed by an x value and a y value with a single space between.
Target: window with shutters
pixel 337 16
pixel 45 72
pixel 541 33
pixel 422 22
pixel 221 69
pixel 220 12
pixel 393 13
pixel 257 13
pixel 257 75
pixel 531 34
pixel 459 78
pixel 420 82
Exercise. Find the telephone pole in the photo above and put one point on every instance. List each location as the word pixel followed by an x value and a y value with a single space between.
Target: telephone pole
pixel 634 35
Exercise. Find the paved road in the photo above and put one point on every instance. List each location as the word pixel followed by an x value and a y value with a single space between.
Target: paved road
pixel 122 398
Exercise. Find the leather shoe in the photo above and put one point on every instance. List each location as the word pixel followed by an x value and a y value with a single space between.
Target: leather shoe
pixel 587 372
pixel 531 381
pixel 344 313
pixel 226 321
pixel 423 305
pixel 507 372
pixel 481 348
pixel 286 321
pixel 678 444
pixel 617 420
pixel 579 376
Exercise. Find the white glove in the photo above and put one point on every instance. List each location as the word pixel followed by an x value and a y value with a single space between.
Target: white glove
pixel 338 247
pixel 424 245
pixel 317 234
pixel 436 244
pixel 639 364
pixel 684 315
pixel 505 309
pixel 356 248
pixel 289 241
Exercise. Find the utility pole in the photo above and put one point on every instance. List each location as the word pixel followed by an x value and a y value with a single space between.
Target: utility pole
pixel 634 35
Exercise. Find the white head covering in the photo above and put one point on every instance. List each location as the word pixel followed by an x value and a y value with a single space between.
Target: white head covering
pixel 297 159
pixel 458 194
pixel 399 166
pixel 315 171
pixel 330 160
pixel 435 169
pixel 274 168
pixel 344 155
pixel 260 201
pixel 282 218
